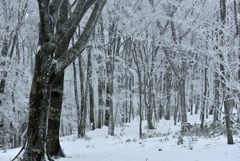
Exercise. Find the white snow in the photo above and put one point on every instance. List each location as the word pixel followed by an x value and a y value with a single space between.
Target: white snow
pixel 126 146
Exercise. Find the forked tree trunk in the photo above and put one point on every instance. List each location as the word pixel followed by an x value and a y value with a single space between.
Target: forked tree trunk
pixel 46 70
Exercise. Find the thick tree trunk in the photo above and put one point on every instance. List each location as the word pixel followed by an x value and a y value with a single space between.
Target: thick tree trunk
pixel 53 143
pixel 46 68
pixel 38 112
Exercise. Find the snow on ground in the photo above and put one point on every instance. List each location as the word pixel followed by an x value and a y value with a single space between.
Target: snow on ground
pixel 161 145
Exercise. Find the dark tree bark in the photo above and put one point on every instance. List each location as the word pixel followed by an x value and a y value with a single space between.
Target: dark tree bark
pixel 131 113
pixel 216 98
pixel 140 104
pixel 182 100
pixel 222 69
pixel 168 89
pixel 100 104
pixel 76 95
pixel 101 79
pixel 90 86
pixel 48 70
pixel 53 143
pixel 83 113
pixel 204 97
pixel 176 108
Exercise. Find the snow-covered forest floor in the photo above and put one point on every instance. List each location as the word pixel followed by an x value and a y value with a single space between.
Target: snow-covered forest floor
pixel 160 144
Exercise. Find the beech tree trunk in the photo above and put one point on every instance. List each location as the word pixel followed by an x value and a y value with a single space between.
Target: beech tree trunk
pixel 222 69
pixel 53 143
pixel 47 70
pixel 90 86
pixel 168 89
pixel 140 102
pixel 38 111
pixel 83 113
pixel 76 95
pixel 204 97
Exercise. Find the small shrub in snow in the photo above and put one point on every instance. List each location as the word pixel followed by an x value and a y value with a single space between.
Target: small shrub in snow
pixel 180 140
pixel 135 140
pixel 128 141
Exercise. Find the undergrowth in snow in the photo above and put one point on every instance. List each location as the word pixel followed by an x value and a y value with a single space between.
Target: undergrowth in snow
pixel 164 143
